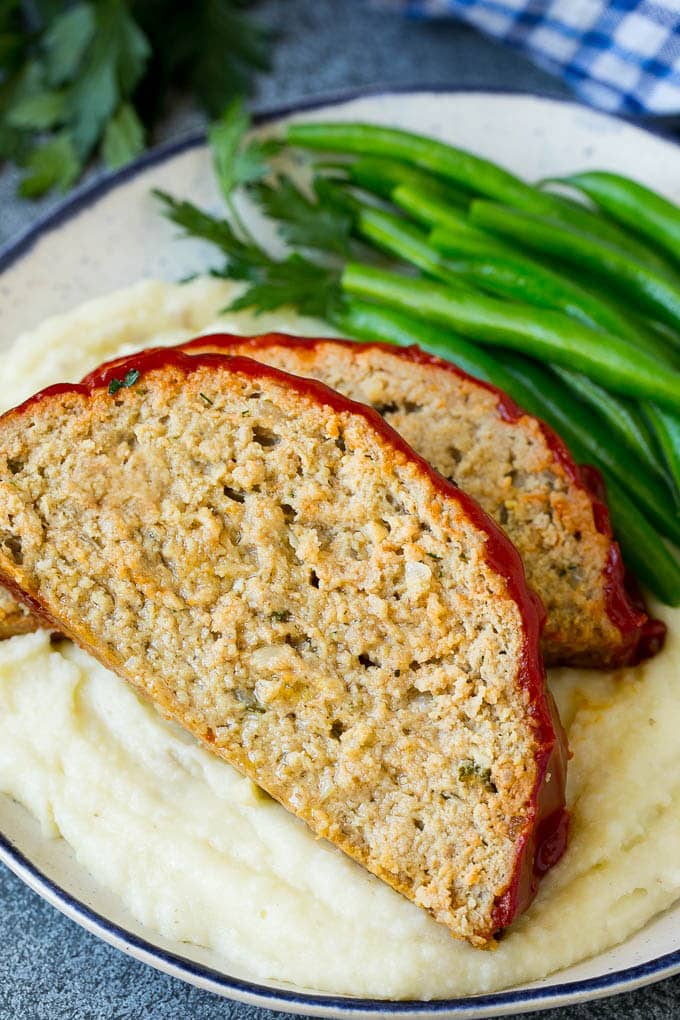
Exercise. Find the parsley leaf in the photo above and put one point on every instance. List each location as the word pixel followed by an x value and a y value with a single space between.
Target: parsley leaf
pixel 130 379
pixel 19 78
pixel 325 224
pixel 53 165
pixel 66 40
pixel 210 46
pixel 13 42
pixel 310 288
pixel 236 162
pixel 243 258
pixel 88 78
pixel 41 110
pixel 111 68
pixel 123 138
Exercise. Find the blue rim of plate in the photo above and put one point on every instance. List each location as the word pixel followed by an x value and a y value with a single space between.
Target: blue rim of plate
pixel 251 992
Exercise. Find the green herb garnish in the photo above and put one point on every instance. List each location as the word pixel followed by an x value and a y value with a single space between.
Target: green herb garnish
pixel 207 400
pixel 280 615
pixel 238 162
pixel 89 78
pixel 130 379
pixel 310 287
pixel 295 280
pixel 324 222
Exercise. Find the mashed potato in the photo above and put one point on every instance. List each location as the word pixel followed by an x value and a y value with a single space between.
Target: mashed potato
pixel 200 855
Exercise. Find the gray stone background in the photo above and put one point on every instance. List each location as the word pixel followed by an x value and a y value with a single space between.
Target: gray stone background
pixel 50 969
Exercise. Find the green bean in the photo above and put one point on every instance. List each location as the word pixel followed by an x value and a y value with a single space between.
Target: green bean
pixel 403 239
pixel 639 208
pixel 519 277
pixel 545 334
pixel 668 336
pixel 406 241
pixel 620 415
pixel 654 292
pixel 666 428
pixel 658 337
pixel 381 176
pixel 424 205
pixel 504 274
pixel 528 282
pixel 428 209
pixel 524 279
pixel 643 549
pixel 399 237
pixel 434 202
pixel 472 173
pixel 665 425
pixel 587 221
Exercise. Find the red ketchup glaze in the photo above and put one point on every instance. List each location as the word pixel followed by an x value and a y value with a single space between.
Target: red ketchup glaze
pixel 544 838
pixel 625 603
pixel 641 637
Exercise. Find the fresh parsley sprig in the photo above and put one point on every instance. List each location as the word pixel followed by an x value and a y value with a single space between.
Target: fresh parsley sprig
pixel 88 78
pixel 323 222
pixel 311 287
pixel 242 258
pixel 238 162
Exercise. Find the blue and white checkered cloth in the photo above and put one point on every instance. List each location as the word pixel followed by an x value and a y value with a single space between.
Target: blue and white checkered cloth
pixel 619 55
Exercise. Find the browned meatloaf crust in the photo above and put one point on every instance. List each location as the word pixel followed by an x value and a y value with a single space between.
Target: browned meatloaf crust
pixel 15 618
pixel 514 465
pixel 276 568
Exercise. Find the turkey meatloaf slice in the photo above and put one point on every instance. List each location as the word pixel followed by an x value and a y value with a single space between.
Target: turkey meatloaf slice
pixel 514 465
pixel 282 575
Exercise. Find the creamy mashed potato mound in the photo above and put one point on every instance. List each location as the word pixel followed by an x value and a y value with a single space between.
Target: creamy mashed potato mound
pixel 198 854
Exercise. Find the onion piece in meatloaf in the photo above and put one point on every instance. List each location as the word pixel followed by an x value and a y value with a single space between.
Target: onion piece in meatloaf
pixel 281 574
pixel 514 465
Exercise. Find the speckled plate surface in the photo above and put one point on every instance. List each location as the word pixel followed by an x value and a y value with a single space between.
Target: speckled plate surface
pixel 110 235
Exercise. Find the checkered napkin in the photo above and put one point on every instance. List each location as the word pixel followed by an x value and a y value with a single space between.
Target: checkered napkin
pixel 620 55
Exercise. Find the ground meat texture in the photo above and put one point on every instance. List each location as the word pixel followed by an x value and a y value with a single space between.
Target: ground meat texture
pixel 507 464
pixel 283 577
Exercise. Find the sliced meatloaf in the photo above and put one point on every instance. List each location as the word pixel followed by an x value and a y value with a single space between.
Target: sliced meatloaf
pixel 514 465
pixel 282 575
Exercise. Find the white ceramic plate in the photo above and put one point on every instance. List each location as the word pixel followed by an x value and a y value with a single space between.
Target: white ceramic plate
pixel 111 235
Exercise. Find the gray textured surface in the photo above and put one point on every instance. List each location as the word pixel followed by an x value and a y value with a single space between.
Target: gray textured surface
pixel 50 969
